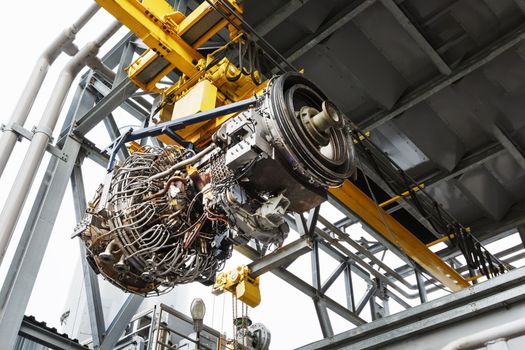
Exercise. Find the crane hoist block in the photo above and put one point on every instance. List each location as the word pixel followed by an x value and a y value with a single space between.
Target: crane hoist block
pixel 239 283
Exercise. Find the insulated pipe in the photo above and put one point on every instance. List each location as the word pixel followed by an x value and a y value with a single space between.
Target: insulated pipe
pixel 506 331
pixel 64 42
pixel 18 194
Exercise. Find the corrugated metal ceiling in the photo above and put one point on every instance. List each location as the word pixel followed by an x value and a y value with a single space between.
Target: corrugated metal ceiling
pixel 440 84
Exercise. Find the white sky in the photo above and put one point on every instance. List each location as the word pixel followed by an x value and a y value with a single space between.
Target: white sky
pixel 27 29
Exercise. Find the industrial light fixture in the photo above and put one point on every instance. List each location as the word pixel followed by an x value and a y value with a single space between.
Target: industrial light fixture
pixel 197 310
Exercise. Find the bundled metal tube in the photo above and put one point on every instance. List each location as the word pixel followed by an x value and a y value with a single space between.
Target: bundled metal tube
pixel 29 167
pixel 64 42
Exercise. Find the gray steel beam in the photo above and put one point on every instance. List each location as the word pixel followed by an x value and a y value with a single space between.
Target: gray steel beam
pixel 279 16
pixel 343 254
pixel 82 93
pixel 89 150
pixel 420 40
pixel 112 57
pixel 94 302
pixel 18 285
pixel 125 60
pixel 349 288
pixel 280 257
pixel 114 133
pixel 500 292
pixel 348 14
pixel 44 336
pixel 329 249
pixel 21 275
pixel 521 232
pixel 324 318
pixel 365 299
pixel 333 276
pixel 320 306
pixel 469 162
pixel 509 145
pixel 316 269
pixel 397 299
pixel 118 325
pixel 304 287
pixel 128 105
pixel 382 240
pixel 106 105
pixel 422 93
pixel 310 291
pixel 362 250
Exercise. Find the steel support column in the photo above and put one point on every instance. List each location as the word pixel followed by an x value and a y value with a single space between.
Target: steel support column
pixel 421 285
pixel 365 299
pixel 18 285
pixel 320 307
pixel 94 302
pixel 121 320
pixel 349 288
pixel 304 287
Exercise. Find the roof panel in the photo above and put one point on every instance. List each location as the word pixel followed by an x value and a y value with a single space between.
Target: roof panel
pixel 336 81
pixel 370 63
pixel 441 145
pixel 375 74
pixel 486 192
pixel 455 202
pixel 396 45
pixel 457 114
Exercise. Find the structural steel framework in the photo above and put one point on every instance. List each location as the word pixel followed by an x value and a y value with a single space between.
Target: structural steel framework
pixel 105 86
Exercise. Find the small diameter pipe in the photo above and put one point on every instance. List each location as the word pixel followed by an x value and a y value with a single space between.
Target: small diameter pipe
pixel 29 167
pixel 64 42
pixel 508 330
pixel 183 163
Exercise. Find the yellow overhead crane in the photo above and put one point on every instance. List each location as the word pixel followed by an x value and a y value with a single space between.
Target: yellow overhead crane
pixel 174 40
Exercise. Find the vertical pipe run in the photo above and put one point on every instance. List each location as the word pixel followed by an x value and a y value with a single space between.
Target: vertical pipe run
pixel 420 285
pixel 29 167
pixel 64 42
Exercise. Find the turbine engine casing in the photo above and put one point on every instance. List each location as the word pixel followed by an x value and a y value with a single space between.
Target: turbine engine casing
pixel 168 216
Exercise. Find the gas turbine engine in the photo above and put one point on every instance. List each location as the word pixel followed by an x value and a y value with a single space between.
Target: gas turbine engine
pixel 168 216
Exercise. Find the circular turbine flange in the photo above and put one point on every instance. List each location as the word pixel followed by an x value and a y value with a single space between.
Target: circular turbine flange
pixel 309 131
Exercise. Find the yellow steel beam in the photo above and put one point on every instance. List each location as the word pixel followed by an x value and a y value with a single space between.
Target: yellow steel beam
pixel 158 33
pixel 382 222
pixel 398 197
pixel 445 238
